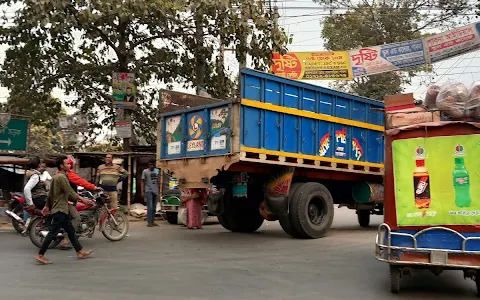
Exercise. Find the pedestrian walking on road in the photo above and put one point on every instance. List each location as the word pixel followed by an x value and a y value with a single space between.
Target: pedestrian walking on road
pixel 149 188
pixel 59 195
pixel 108 176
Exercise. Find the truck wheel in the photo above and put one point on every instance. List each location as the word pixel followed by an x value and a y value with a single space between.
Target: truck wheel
pixel 172 217
pixel 311 210
pixel 363 218
pixel 285 220
pixel 240 214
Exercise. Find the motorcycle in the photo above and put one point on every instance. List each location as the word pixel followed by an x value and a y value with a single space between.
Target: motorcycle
pixel 109 220
pixel 16 210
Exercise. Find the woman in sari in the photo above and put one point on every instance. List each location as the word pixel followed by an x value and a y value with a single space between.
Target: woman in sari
pixel 194 200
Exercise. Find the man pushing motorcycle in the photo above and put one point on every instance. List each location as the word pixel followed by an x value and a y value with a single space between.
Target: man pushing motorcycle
pixel 75 181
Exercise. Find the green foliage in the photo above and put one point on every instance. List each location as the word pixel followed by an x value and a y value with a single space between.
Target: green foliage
pixel 110 145
pixel 44 141
pixel 370 23
pixel 76 45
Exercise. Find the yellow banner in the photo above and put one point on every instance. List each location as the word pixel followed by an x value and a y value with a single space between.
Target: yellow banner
pixel 323 65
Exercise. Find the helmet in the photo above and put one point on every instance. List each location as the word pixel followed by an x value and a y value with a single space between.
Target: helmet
pixel 71 161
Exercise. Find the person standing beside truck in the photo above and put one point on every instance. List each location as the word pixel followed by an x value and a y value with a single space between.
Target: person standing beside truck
pixel 107 178
pixel 149 186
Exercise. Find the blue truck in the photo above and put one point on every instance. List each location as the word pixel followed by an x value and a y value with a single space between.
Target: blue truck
pixel 283 150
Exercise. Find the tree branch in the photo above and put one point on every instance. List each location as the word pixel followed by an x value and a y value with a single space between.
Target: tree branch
pixel 100 32
pixel 161 36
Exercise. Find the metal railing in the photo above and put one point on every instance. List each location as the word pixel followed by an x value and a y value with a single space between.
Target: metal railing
pixel 438 257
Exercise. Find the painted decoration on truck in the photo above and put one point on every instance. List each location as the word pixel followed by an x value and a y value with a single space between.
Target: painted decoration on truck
pixel 324 144
pixel 322 65
pixel 357 149
pixel 441 188
pixel 452 43
pixel 386 58
pixel 279 183
pixel 341 143
pixel 195 132
pixel 218 128
pixel 173 133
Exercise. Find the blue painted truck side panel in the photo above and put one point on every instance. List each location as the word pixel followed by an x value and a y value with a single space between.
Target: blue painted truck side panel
pixel 205 130
pixel 289 133
pixel 198 131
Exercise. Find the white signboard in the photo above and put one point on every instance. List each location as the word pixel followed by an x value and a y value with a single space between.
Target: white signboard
pixel 174 148
pixel 218 142
pixel 124 129
pixel 452 43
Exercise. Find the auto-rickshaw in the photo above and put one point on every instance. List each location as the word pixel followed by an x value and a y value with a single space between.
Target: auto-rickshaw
pixel 432 200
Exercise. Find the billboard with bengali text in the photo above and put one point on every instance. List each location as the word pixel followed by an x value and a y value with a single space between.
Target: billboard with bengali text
pixel 452 43
pixel 385 58
pixel 323 65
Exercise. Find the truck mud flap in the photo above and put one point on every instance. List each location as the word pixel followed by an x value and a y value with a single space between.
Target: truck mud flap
pixel 278 204
pixel 215 203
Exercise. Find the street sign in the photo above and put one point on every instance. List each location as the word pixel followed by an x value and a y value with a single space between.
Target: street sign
pixel 14 137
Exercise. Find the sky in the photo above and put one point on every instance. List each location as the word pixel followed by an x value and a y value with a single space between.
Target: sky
pixel 303 18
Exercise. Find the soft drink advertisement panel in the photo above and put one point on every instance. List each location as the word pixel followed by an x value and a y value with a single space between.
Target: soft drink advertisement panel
pixel 437 180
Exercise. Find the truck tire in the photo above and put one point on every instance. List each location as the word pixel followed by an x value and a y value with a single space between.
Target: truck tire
pixel 240 214
pixel 363 218
pixel 311 211
pixel 285 220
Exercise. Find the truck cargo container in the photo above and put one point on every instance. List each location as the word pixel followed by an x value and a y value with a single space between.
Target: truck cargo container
pixel 283 150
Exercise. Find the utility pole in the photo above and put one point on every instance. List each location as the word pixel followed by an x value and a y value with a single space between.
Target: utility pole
pixel 221 59
pixel 243 40
pixel 199 53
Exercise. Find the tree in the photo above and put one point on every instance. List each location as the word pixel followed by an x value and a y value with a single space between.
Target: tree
pixel 76 45
pixel 370 23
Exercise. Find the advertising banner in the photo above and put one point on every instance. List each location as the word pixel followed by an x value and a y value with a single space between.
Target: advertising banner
pixel 437 180
pixel 386 58
pixel 452 43
pixel 323 65
pixel 123 85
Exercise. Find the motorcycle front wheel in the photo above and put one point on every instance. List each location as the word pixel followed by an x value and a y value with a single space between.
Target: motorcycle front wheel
pixel 36 226
pixel 116 232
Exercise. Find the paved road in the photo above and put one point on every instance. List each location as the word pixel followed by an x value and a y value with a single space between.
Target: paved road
pixel 171 262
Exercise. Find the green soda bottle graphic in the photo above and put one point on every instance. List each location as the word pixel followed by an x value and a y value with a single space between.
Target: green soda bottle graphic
pixel 461 183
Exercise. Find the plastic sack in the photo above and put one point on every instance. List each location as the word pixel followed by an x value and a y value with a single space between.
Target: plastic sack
pixel 452 99
pixel 431 96
pixel 473 101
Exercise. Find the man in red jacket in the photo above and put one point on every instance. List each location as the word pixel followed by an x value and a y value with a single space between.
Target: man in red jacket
pixel 75 181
